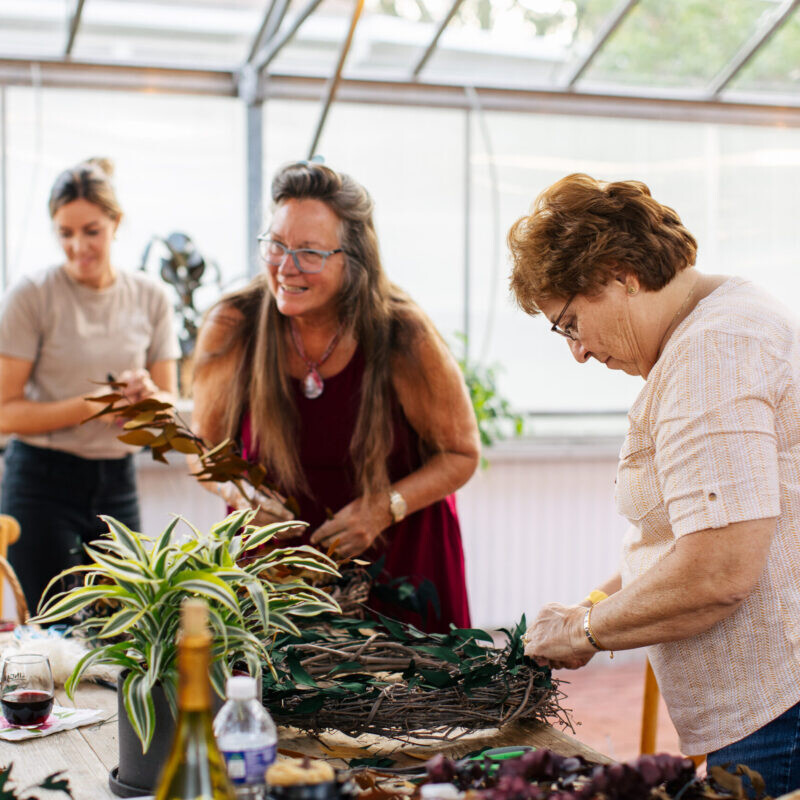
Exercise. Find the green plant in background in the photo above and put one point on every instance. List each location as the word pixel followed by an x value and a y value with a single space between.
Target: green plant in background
pixel 492 411
pixel 251 598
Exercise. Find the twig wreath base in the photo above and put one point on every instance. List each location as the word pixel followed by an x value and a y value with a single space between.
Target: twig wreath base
pixel 389 679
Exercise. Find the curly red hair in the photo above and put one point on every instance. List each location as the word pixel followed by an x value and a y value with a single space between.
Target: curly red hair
pixel 580 230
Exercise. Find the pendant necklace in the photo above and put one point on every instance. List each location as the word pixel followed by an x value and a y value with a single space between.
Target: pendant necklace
pixel 313 383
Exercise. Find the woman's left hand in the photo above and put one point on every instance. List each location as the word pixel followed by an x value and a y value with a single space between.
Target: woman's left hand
pixel 354 528
pixel 139 385
pixel 556 638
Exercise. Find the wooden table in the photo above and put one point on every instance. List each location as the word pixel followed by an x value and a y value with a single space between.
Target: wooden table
pixel 88 754
pixel 85 754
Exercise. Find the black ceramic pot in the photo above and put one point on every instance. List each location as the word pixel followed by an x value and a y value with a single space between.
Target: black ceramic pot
pixel 137 773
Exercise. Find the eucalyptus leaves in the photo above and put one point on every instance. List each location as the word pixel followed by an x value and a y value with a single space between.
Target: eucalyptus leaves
pixel 145 579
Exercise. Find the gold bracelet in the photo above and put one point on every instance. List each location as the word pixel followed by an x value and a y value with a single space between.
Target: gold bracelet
pixel 587 629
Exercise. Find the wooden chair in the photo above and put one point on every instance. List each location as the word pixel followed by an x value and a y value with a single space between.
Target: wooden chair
pixel 647 741
pixel 9 533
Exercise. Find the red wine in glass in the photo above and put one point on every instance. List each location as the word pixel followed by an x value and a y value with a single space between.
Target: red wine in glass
pixel 26 689
pixel 27 706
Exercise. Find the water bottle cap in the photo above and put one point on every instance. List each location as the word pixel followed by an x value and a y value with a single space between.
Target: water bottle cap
pixel 240 687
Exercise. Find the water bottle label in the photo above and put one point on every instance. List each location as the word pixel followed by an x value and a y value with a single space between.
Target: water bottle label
pixel 249 766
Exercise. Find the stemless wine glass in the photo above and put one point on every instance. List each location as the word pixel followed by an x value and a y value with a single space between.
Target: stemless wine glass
pixel 26 689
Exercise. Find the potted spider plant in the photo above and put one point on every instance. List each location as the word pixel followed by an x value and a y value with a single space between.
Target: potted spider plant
pixel 143 580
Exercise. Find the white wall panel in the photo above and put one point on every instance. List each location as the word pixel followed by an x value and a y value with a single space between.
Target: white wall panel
pixel 538 530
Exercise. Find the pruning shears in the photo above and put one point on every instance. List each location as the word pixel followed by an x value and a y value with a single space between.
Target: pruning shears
pixel 494 755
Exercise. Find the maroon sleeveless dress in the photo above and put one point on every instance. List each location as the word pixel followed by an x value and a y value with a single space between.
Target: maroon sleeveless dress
pixel 425 545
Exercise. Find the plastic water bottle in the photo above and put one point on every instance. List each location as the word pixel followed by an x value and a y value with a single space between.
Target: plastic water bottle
pixel 247 738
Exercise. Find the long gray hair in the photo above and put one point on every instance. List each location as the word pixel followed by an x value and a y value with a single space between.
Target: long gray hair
pixel 378 314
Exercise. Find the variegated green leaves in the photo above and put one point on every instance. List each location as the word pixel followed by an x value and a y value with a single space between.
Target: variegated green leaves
pixel 144 579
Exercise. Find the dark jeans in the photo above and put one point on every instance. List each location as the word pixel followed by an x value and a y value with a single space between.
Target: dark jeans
pixel 773 750
pixel 56 497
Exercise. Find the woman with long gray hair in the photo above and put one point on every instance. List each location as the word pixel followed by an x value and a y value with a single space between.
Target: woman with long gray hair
pixel 335 380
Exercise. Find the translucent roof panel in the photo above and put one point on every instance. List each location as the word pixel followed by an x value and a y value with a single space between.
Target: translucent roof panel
pixel 389 38
pixel 517 43
pixel 675 44
pixel 34 28
pixel 775 68
pixel 205 34
pixel 392 35
pixel 314 49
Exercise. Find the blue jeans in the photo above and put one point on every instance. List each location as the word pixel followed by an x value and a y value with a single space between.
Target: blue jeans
pixel 56 497
pixel 773 750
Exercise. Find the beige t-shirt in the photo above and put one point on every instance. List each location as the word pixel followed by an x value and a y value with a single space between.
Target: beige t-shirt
pixel 714 439
pixel 75 335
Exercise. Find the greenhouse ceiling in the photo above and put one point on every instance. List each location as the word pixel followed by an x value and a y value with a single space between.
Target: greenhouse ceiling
pixel 660 57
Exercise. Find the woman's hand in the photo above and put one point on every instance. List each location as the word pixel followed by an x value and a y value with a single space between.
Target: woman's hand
pixel 139 386
pixel 354 528
pixel 556 638
pixel 269 509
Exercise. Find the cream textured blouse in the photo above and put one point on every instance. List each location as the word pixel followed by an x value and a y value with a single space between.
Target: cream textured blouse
pixel 713 439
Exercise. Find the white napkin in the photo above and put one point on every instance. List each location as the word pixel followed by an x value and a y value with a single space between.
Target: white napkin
pixel 60 719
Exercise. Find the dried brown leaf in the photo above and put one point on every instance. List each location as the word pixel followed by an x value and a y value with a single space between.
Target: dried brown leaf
pixel 727 781
pixel 144 417
pixel 105 398
pixel 102 413
pixel 183 444
pixel 150 403
pixel 158 454
pixel 755 778
pixel 138 438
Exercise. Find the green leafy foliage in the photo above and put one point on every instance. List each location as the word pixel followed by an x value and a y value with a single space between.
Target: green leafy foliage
pixel 52 783
pixel 378 677
pixel 492 411
pixel 145 579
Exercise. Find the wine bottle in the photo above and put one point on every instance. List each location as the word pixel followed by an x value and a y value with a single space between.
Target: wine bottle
pixel 195 769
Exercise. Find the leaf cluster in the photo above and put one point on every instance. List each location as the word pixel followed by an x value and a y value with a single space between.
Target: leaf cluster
pixel 391 679
pixel 146 579
pixel 157 425
pixel 52 783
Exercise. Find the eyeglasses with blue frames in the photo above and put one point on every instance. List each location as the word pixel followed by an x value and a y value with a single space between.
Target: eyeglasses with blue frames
pixel 305 259
pixel 568 332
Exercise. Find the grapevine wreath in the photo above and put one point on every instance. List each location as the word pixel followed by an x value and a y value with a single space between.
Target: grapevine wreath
pixel 389 679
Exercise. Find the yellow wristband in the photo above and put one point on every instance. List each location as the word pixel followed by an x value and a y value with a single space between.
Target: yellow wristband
pixel 595 596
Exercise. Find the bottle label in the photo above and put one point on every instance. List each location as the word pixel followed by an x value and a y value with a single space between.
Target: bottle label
pixel 249 766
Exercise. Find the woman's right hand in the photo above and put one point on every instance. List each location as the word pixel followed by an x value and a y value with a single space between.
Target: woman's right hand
pixel 268 509
pixel 556 638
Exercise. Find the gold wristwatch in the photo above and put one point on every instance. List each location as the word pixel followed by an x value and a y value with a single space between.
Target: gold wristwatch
pixel 397 505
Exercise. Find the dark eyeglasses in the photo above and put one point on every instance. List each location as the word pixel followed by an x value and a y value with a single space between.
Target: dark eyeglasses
pixel 305 259
pixel 567 332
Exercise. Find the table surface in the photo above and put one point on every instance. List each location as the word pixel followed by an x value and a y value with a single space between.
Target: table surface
pixel 88 754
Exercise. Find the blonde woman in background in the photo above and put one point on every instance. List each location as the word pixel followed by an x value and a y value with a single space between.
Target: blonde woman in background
pixel 62 331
